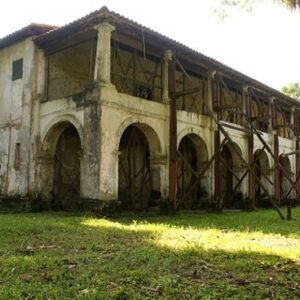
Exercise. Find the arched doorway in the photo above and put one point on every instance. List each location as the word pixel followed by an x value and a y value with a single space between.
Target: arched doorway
pixel 60 166
pixel 230 169
pixel 139 178
pixel 66 187
pixel 192 191
pixel 285 184
pixel 262 171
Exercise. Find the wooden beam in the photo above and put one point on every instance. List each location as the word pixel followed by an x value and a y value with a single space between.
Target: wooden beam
pixel 172 137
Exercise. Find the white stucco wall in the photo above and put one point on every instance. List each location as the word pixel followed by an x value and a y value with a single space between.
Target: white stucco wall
pixel 15 116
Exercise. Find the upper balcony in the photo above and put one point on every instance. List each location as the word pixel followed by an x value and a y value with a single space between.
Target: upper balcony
pixel 140 69
pixel 144 74
pixel 69 71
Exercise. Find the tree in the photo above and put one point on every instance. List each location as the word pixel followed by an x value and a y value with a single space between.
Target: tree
pixel 224 6
pixel 292 90
pixel 291 4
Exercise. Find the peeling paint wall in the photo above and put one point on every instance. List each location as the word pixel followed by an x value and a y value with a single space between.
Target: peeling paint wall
pixel 15 117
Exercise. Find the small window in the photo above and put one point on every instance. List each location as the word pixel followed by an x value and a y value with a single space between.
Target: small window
pixel 17 156
pixel 17 69
pixel 143 91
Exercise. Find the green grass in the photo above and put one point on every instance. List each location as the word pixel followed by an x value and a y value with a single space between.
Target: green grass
pixel 234 255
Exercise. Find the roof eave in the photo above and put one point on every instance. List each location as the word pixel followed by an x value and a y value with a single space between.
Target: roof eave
pixel 104 14
pixel 32 29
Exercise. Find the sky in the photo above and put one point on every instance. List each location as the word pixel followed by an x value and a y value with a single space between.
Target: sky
pixel 262 44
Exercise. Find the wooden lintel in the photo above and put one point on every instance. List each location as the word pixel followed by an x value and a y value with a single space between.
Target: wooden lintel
pixel 61 44
pixel 188 92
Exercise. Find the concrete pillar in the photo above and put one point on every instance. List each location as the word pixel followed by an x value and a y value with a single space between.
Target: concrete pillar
pixel 271 115
pixel 166 59
pixel 92 185
pixel 158 165
pixel 210 77
pixel 109 160
pixel 244 103
pixel 102 63
pixel 91 146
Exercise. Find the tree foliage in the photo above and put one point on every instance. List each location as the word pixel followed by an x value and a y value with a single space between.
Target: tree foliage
pixel 292 4
pixel 292 90
pixel 225 7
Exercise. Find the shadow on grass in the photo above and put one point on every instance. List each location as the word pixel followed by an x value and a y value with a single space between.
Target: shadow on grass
pixel 102 259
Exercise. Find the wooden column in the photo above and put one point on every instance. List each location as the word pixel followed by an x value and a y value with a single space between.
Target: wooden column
pixel 276 180
pixel 172 136
pixel 217 168
pixel 217 140
pixel 251 177
pixel 297 149
pixel 276 170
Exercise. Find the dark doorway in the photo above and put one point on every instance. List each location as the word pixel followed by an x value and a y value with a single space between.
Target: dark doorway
pixel 188 184
pixel 134 170
pixel 285 184
pixel 191 159
pixel 66 188
pixel 226 176
pixel 262 171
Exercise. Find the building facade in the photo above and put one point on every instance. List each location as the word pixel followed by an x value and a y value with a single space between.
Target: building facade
pixel 106 110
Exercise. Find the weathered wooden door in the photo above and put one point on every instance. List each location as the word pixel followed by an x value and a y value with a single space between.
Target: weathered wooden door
pixel 134 170
pixel 187 181
pixel 67 170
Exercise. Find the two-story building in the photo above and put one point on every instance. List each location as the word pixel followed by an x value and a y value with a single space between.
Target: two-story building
pixel 105 109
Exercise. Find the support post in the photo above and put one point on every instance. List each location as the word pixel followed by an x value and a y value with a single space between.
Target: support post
pixel 166 59
pixel 217 139
pixel 103 53
pixel 217 168
pixel 276 151
pixel 251 178
pixel 292 123
pixel 212 131
pixel 276 170
pixel 172 136
pixel 297 148
pixel 298 168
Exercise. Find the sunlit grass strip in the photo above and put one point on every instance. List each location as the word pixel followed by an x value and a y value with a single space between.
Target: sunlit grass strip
pixel 178 239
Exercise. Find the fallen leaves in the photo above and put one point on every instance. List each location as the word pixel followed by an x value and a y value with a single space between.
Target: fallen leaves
pixel 30 250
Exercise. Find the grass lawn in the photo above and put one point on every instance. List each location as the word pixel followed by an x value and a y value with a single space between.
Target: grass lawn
pixel 233 255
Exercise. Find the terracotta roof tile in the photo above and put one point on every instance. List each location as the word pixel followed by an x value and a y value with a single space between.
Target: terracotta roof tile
pixel 30 30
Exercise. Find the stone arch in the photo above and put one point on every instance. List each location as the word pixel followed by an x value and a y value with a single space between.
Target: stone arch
pixel 263 172
pixel 150 131
pixel 231 169
pixel 54 128
pixel 195 132
pixel 285 184
pixel 192 191
pixel 60 165
pixel 139 167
